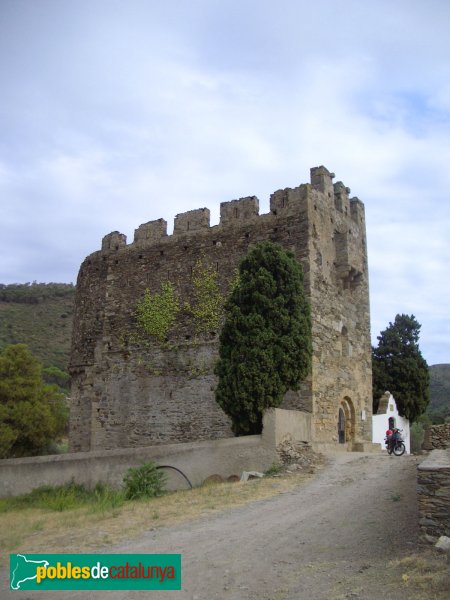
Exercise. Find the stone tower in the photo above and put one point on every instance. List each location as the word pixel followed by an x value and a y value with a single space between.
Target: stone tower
pixel 127 394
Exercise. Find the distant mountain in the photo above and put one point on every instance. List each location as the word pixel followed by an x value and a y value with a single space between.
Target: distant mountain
pixel 439 391
pixel 39 315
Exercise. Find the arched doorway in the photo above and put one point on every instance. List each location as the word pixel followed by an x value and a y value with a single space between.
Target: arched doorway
pixel 346 421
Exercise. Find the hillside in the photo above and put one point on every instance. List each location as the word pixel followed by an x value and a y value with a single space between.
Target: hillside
pixel 39 315
pixel 439 390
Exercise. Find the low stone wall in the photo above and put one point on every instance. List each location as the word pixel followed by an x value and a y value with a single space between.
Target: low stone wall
pixel 197 460
pixel 437 436
pixel 433 490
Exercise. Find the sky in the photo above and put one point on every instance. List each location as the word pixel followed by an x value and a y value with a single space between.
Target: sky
pixel 117 112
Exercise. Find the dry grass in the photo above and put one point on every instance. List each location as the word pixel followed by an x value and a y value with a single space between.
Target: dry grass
pixel 425 576
pixel 82 529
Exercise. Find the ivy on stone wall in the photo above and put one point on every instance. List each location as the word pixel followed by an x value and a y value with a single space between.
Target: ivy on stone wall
pixel 157 312
pixel 207 301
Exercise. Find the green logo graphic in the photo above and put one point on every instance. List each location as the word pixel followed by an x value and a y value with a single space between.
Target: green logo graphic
pixel 95 571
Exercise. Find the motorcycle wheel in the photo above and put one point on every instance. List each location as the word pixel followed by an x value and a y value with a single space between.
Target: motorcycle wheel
pixel 399 449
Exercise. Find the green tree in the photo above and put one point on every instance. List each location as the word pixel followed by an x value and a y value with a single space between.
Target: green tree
pixel 265 343
pixel 398 366
pixel 32 413
pixel 53 375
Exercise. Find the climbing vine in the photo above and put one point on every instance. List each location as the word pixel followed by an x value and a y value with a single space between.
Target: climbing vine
pixel 157 312
pixel 207 306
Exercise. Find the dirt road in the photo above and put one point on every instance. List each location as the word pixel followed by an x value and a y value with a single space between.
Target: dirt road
pixel 330 538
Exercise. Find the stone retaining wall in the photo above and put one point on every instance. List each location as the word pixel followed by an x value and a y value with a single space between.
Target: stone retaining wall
pixel 437 436
pixel 197 460
pixel 433 490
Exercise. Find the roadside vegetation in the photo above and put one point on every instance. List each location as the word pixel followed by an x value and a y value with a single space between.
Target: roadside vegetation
pixel 72 518
pixel 423 576
pixel 139 483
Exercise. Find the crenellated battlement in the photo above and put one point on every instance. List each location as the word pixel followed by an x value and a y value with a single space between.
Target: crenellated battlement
pixel 287 202
pixel 357 211
pixel 150 233
pixel 114 241
pixel 192 221
pixel 237 211
pixel 341 200
pixel 322 180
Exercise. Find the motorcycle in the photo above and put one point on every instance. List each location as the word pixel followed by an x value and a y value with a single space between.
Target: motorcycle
pixel 395 443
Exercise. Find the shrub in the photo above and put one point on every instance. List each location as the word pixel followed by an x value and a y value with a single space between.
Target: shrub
pixel 417 434
pixel 144 482
pixel 274 469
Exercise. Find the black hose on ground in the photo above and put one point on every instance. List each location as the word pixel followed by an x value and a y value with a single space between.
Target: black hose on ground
pixel 175 469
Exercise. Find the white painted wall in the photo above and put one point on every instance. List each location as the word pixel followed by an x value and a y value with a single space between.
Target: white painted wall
pixel 380 422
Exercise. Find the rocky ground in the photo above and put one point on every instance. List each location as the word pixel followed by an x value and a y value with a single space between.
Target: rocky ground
pixel 299 457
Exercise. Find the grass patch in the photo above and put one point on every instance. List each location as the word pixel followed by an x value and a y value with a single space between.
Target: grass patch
pixel 106 500
pixel 70 496
pixel 86 521
pixel 274 469
pixel 424 576
pixel 38 526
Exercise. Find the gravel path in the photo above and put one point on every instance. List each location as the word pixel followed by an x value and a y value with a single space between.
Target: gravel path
pixel 328 539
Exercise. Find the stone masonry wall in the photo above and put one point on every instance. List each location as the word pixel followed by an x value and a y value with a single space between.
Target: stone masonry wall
pixel 128 394
pixel 342 376
pixel 437 436
pixel 433 490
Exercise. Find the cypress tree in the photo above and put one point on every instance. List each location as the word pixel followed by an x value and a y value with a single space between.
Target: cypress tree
pixel 398 366
pixel 265 344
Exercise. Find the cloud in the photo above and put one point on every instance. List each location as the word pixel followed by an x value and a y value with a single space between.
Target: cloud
pixel 111 118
